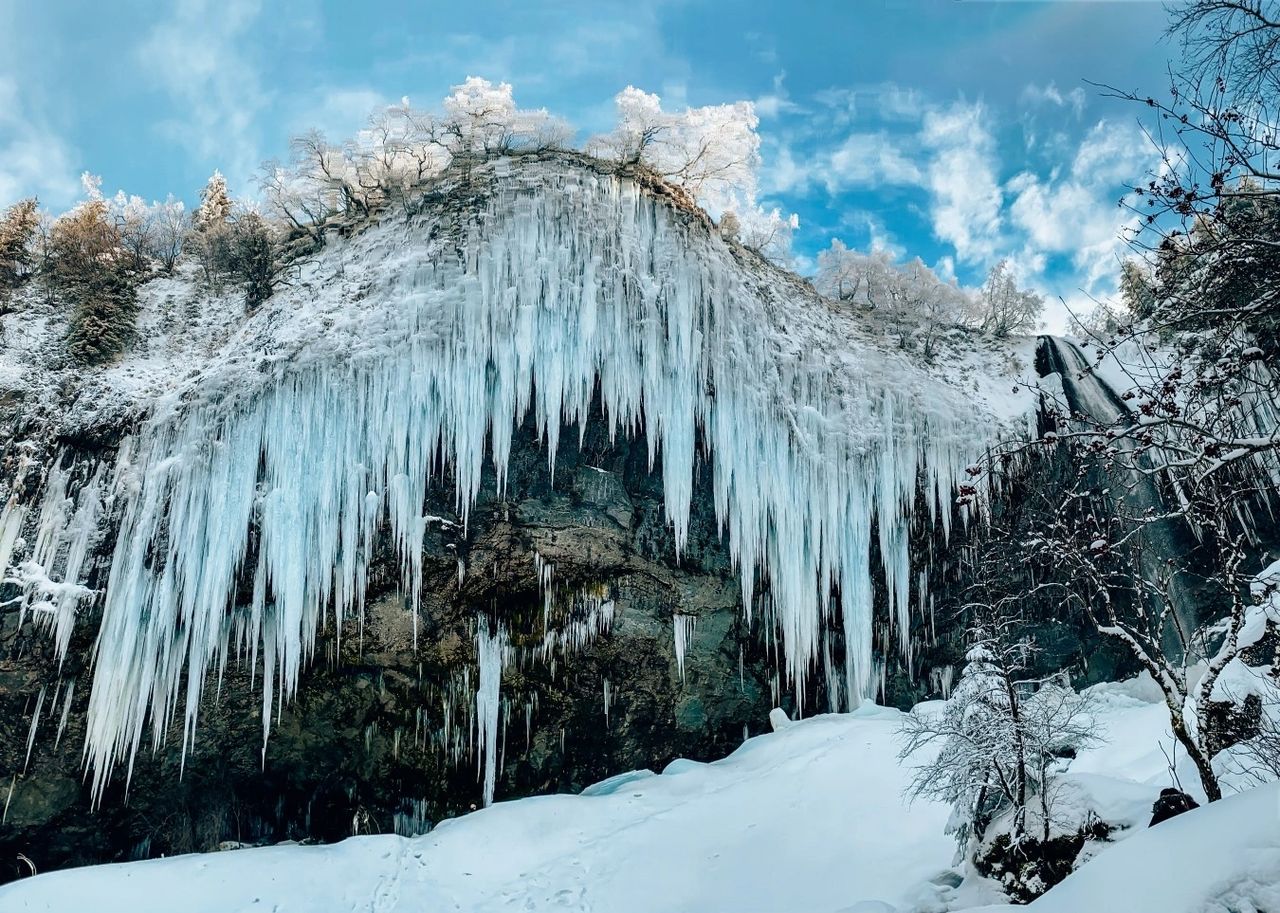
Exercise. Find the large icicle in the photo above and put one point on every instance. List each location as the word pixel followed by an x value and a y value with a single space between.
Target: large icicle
pixel 416 347
pixel 491 652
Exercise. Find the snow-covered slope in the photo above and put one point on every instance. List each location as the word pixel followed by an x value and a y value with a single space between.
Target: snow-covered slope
pixel 806 819
pixel 809 819
pixel 1223 858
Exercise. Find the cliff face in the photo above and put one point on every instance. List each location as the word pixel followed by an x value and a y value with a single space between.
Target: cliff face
pixel 357 527
pixel 362 746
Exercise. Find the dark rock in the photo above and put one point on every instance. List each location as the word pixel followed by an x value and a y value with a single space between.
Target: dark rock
pixel 1172 802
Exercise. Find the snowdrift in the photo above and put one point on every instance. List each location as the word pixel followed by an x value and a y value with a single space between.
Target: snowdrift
pixel 809 819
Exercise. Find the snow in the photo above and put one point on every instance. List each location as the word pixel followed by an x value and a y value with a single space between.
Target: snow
pixel 406 349
pixel 1223 858
pixel 811 818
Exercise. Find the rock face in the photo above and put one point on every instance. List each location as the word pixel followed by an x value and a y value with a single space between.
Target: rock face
pixel 358 751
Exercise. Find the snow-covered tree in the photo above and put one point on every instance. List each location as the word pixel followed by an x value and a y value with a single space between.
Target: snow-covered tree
pixel 1000 740
pixel 17 233
pixel 713 151
pixel 170 225
pixel 1007 309
pixel 135 224
pixel 915 304
pixel 214 210
pixel 483 118
pixel 399 149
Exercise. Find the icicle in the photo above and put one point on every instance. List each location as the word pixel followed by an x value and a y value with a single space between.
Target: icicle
pixel 490 657
pixel 35 724
pixel 571 283
pixel 683 625
pixel 66 712
pixel 4 819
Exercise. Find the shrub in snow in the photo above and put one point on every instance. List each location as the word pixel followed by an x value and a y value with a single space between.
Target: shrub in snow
pixel 1000 740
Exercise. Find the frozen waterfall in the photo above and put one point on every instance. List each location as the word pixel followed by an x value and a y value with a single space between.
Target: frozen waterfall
pixel 412 348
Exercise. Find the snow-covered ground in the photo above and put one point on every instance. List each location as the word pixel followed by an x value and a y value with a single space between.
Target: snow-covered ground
pixel 809 819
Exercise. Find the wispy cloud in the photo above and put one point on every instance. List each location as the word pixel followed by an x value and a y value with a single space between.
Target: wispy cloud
pixel 1075 212
pixel 198 55
pixel 1049 94
pixel 963 179
pixel 34 159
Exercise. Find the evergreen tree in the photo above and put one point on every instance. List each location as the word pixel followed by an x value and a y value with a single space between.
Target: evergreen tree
pixel 17 230
pixel 252 258
pixel 214 211
pixel 90 266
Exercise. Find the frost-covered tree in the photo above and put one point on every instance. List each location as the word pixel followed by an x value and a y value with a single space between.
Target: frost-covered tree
pixel 1000 739
pixel 134 222
pixel 399 149
pixel 1007 309
pixel 481 117
pixel 915 304
pixel 170 226
pixel 18 228
pixel 713 151
pixel 214 209
pixel 210 237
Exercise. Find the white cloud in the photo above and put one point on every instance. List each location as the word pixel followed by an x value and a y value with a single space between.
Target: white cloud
pixel 1076 212
pixel 778 101
pixel 859 160
pixel 869 159
pixel 198 56
pixel 1050 94
pixel 962 177
pixel 34 159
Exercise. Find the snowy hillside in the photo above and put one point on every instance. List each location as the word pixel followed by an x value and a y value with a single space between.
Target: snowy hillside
pixel 809 819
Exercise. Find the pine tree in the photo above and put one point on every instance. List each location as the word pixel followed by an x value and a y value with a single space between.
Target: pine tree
pixel 252 257
pixel 17 230
pixel 214 211
pixel 90 266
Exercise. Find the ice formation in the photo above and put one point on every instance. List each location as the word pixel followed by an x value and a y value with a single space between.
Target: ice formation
pixel 422 349
pixel 491 655
pixel 683 625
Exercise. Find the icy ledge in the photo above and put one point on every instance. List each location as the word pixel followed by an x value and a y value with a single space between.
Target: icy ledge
pixel 418 347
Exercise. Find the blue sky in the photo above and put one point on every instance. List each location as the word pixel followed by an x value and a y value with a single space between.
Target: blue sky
pixel 956 130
